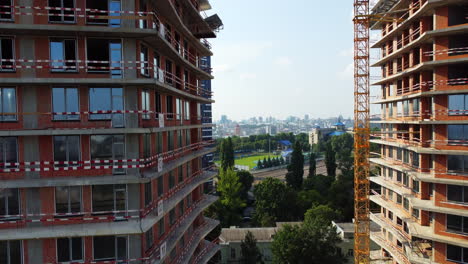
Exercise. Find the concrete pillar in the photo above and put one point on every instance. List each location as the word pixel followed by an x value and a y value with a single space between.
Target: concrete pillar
pixel 128 6
pixel 35 251
pixel 25 19
pixel 132 149
pixel 134 247
pixel 131 103
pixel 130 54
pixel 31 153
pixel 29 105
pixel 26 51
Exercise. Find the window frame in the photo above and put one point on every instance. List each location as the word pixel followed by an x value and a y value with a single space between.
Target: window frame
pixel 11 10
pixel 67 150
pixel 62 12
pixel 80 212
pixel 2 117
pixel 70 241
pixel 13 216
pixel 13 52
pixel 114 190
pixel 66 117
pixel 145 103
pixel 8 255
pixel 100 117
pixel 4 153
pixel 116 251
pixel 64 64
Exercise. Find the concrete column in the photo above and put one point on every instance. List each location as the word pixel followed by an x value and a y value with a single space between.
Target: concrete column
pixel 130 54
pixel 31 153
pixel 132 149
pixel 29 105
pixel 134 247
pixel 25 19
pixel 128 6
pixel 131 103
pixel 133 198
pixel 26 51
pixel 35 251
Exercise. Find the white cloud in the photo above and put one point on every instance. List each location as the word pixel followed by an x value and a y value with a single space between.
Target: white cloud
pixel 283 61
pixel 346 52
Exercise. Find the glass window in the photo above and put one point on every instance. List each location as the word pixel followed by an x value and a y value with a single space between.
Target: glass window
pixel 406 108
pixel 7 54
pixel 169 107
pixel 110 247
pixel 416 108
pixel 11 252
pixel 148 193
pixel 145 103
pixel 66 149
pixel 60 14
pixel 169 74
pixel 68 199
pixel 457 254
pixel 178 109
pixel 457 163
pixel 171 180
pixel 100 9
pixel 161 227
pixel 63 55
pixel 415 213
pixel 415 186
pixel 406 204
pixel 147 146
pixel 69 249
pixel 187 110
pixel 8 152
pixel 160 186
pixel 9 204
pixel 65 100
pixel 105 99
pixel 172 217
pixel 458 104
pixel 159 137
pixel 108 147
pixel 457 224
pixel 149 238
pixel 456 193
pixel 457 134
pixel 180 172
pixel 104 53
pixel 170 140
pixel 179 138
pixel 158 104
pixel 7 104
pixel 144 61
pixel 187 137
pixel 107 198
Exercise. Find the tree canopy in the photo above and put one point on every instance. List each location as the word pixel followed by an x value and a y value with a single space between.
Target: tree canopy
pixel 249 250
pixel 295 174
pixel 230 200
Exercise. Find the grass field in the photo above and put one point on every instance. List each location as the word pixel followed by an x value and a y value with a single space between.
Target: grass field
pixel 252 160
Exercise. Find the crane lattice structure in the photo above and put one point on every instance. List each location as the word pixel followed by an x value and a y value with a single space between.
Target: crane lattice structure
pixel 361 132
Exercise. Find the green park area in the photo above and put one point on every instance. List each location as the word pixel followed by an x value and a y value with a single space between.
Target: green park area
pixel 251 161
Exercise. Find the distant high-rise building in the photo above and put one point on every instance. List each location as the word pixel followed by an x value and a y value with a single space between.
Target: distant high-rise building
pixel 423 159
pixel 306 117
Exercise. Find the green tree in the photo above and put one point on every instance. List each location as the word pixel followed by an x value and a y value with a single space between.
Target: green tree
pixel 343 147
pixel 246 179
pixel 307 199
pixel 227 154
pixel 312 164
pixel 330 161
pixel 282 160
pixel 274 201
pixel 259 164
pixel 295 174
pixel 231 202
pixel 307 244
pixel 265 163
pixel 249 250
pixel 270 163
pixel 321 215
pixel 319 183
pixel 341 196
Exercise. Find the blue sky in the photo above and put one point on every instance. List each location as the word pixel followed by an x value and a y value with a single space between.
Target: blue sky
pixel 283 58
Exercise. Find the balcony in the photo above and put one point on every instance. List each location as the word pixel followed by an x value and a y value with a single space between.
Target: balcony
pixel 208 251
pixel 395 252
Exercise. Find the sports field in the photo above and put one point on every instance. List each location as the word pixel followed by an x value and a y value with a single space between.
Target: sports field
pixel 252 160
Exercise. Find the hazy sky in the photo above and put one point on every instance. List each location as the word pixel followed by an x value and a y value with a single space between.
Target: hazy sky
pixel 281 58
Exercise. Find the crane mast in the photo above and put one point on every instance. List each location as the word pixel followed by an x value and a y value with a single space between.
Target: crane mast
pixel 361 132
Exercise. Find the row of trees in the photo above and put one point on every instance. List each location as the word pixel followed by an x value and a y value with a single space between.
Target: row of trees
pixel 266 141
pixel 269 163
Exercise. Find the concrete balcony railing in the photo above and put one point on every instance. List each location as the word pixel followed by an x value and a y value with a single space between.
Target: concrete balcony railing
pixel 385 223
pixel 199 234
pixel 130 225
pixel 393 250
pixel 208 251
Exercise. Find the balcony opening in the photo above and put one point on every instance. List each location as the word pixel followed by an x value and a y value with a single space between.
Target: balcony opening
pixel 110 248
pixel 59 14
pixel 106 56
pixel 458 15
pixel 70 249
pixel 103 12
pixel 6 11
pixel 457 45
pixel 63 55
pixel 416 57
pixel 458 71
pixel 109 198
pixel 7 52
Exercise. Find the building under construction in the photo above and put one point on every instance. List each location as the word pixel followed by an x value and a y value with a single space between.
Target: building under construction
pixel 419 191
pixel 101 131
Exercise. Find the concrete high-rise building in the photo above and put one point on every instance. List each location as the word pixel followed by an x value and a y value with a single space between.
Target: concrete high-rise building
pixel 424 153
pixel 101 131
